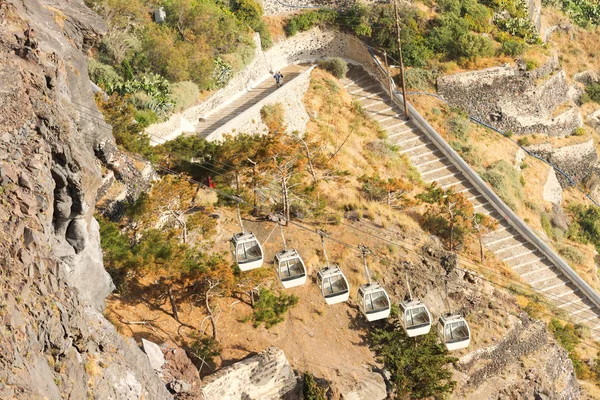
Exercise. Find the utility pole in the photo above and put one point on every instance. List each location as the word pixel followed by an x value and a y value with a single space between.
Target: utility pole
pixel 387 70
pixel 401 62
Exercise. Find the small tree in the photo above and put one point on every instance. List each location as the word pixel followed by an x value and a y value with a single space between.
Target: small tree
pixel 270 308
pixel 171 198
pixel 482 224
pixel 391 191
pixel 417 370
pixel 450 216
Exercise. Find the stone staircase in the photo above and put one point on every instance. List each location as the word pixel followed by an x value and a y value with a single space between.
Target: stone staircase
pixel 221 115
pixel 508 244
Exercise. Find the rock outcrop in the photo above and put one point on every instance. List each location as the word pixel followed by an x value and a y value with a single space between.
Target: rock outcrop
pixel 267 375
pixel 505 370
pixel 512 99
pixel 54 341
pixel 579 161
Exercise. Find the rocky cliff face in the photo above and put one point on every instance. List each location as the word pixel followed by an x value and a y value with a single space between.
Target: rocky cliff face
pixel 54 343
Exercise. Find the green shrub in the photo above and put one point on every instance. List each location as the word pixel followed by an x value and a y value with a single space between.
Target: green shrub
pixel 586 225
pixel 524 141
pixel 572 254
pixel 580 131
pixel 205 349
pixel 222 73
pixel 311 390
pixel 416 371
pixel 307 20
pixel 506 181
pixel 420 79
pixel 270 308
pixel 521 27
pixel 336 66
pixel 584 13
pixel 592 93
pixel 184 94
pixel 460 126
pixel 103 75
pixel 145 117
pixel 452 38
pixel 513 47
pixel 531 65
pixel 546 225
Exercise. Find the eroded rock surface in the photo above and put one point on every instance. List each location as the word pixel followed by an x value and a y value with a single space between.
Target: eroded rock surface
pixel 54 342
pixel 508 370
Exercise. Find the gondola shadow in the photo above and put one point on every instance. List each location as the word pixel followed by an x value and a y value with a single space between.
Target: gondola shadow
pixel 359 323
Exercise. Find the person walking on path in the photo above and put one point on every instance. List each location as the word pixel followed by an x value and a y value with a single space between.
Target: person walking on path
pixel 278 79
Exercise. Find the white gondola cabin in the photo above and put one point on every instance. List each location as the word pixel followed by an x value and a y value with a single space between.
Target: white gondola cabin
pixel 247 251
pixel 454 331
pixel 415 318
pixel 290 268
pixel 334 285
pixel 374 301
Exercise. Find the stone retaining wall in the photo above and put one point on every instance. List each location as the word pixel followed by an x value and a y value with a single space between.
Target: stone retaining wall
pixel 512 99
pixel 304 47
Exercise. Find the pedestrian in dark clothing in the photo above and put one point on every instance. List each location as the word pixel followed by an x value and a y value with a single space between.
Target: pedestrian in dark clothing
pixel 278 79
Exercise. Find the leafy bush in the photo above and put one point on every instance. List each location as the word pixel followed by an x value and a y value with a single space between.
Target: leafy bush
pixel 420 79
pixel 251 12
pixel 521 27
pixel 569 337
pixel 513 47
pixel 416 371
pixel 453 39
pixel 154 86
pixel 205 349
pixel 307 20
pixel 103 75
pixel 184 94
pixel 145 117
pixel 506 181
pixel 584 13
pixel 270 308
pixel 335 66
pixel 222 73
pixel 311 390
pixel 571 254
pixel 580 131
pixel 531 65
pixel 586 225
pixel 592 93
pixel 127 131
pixel 460 126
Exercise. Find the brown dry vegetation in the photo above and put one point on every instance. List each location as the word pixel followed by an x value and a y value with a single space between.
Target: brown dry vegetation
pixel 327 340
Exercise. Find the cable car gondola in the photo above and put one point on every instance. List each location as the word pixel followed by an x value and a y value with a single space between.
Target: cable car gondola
pixel 334 285
pixel 415 317
pixel 454 331
pixel 290 267
pixel 332 281
pixel 246 248
pixel 247 251
pixel 372 297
